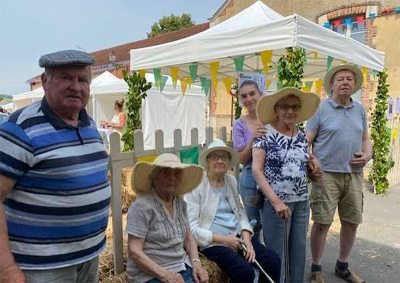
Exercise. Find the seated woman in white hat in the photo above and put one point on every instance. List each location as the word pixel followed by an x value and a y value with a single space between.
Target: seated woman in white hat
pixel 280 160
pixel 161 247
pixel 219 222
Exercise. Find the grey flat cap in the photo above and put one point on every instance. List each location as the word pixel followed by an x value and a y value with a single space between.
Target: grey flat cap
pixel 66 58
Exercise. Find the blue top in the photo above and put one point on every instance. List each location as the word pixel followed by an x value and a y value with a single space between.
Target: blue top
pixel 57 211
pixel 285 164
pixel 225 222
pixel 339 132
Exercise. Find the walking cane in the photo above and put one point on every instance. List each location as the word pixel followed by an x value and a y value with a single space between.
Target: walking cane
pixel 286 250
pixel 258 265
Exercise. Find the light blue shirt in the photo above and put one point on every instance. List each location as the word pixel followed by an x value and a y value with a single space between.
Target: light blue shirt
pixel 339 131
pixel 225 222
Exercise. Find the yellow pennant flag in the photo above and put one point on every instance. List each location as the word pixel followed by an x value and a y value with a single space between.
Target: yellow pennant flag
pixel 395 133
pixel 267 83
pixel 174 75
pixel 214 72
pixel 189 82
pixel 318 86
pixel 142 73
pixel 228 82
pixel 315 54
pixel 364 71
pixel 266 57
pixel 344 62
pixel 183 85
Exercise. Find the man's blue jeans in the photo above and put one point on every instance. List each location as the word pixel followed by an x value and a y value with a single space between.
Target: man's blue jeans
pixel 273 229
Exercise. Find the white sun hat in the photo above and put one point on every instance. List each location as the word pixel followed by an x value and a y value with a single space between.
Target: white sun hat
pixel 218 144
pixel 266 105
pixel 191 174
pixel 357 76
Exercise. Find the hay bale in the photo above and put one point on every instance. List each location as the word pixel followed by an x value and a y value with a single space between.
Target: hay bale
pixel 126 191
pixel 215 274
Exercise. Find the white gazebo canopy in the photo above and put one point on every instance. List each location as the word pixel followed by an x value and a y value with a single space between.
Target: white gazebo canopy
pixel 255 29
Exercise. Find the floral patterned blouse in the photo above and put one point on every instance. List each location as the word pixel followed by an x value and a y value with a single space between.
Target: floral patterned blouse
pixel 285 165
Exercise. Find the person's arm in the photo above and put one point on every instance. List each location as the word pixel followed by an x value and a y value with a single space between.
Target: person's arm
pixel 313 163
pixel 147 265
pixel 9 271
pixel 245 152
pixel 361 158
pixel 190 245
pixel 280 207
pixel 122 121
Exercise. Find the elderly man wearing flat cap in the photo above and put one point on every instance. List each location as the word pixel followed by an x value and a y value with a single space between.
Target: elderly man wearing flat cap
pixel 338 134
pixel 54 189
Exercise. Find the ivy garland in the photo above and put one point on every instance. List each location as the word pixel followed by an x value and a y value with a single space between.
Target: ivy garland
pixel 291 67
pixel 380 134
pixel 136 93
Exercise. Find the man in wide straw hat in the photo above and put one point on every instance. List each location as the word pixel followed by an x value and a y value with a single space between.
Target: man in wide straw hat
pixel 338 133
pixel 161 247
pixel 280 160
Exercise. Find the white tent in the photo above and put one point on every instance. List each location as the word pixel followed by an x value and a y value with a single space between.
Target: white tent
pixel 23 99
pixel 167 110
pixel 256 29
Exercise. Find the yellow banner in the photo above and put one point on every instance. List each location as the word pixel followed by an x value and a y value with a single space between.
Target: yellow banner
pixel 318 86
pixel 364 71
pixel 214 72
pixel 183 85
pixel 174 75
pixel 147 158
pixel 142 73
pixel 267 83
pixel 228 82
pixel 266 57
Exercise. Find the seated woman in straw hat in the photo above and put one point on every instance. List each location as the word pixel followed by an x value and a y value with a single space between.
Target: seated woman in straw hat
pixel 280 160
pixel 220 224
pixel 161 247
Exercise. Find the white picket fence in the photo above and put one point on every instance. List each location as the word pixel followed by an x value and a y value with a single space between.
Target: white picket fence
pixel 120 160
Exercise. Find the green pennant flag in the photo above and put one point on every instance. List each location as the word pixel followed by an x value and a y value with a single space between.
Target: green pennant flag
pixel 157 76
pixel 239 62
pixel 374 73
pixel 193 71
pixel 205 85
pixel 190 155
pixel 163 81
pixel 309 85
pixel 329 61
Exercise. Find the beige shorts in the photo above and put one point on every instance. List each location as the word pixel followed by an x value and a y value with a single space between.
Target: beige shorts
pixel 341 190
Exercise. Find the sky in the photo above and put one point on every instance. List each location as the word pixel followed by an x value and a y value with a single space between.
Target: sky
pixel 29 29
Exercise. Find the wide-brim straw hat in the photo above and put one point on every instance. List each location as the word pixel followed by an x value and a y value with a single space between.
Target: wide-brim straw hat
pixel 357 76
pixel 266 105
pixel 191 174
pixel 216 145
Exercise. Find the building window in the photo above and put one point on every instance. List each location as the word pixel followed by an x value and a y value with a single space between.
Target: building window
pixel 352 26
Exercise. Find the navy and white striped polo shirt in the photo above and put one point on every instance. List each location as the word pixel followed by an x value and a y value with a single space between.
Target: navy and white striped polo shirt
pixel 57 212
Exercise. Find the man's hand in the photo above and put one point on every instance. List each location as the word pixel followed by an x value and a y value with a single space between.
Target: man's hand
pixel 359 160
pixel 199 273
pixel 249 253
pixel 314 167
pixel 12 274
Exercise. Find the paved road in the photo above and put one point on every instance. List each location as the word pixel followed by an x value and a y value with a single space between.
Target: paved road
pixel 376 253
